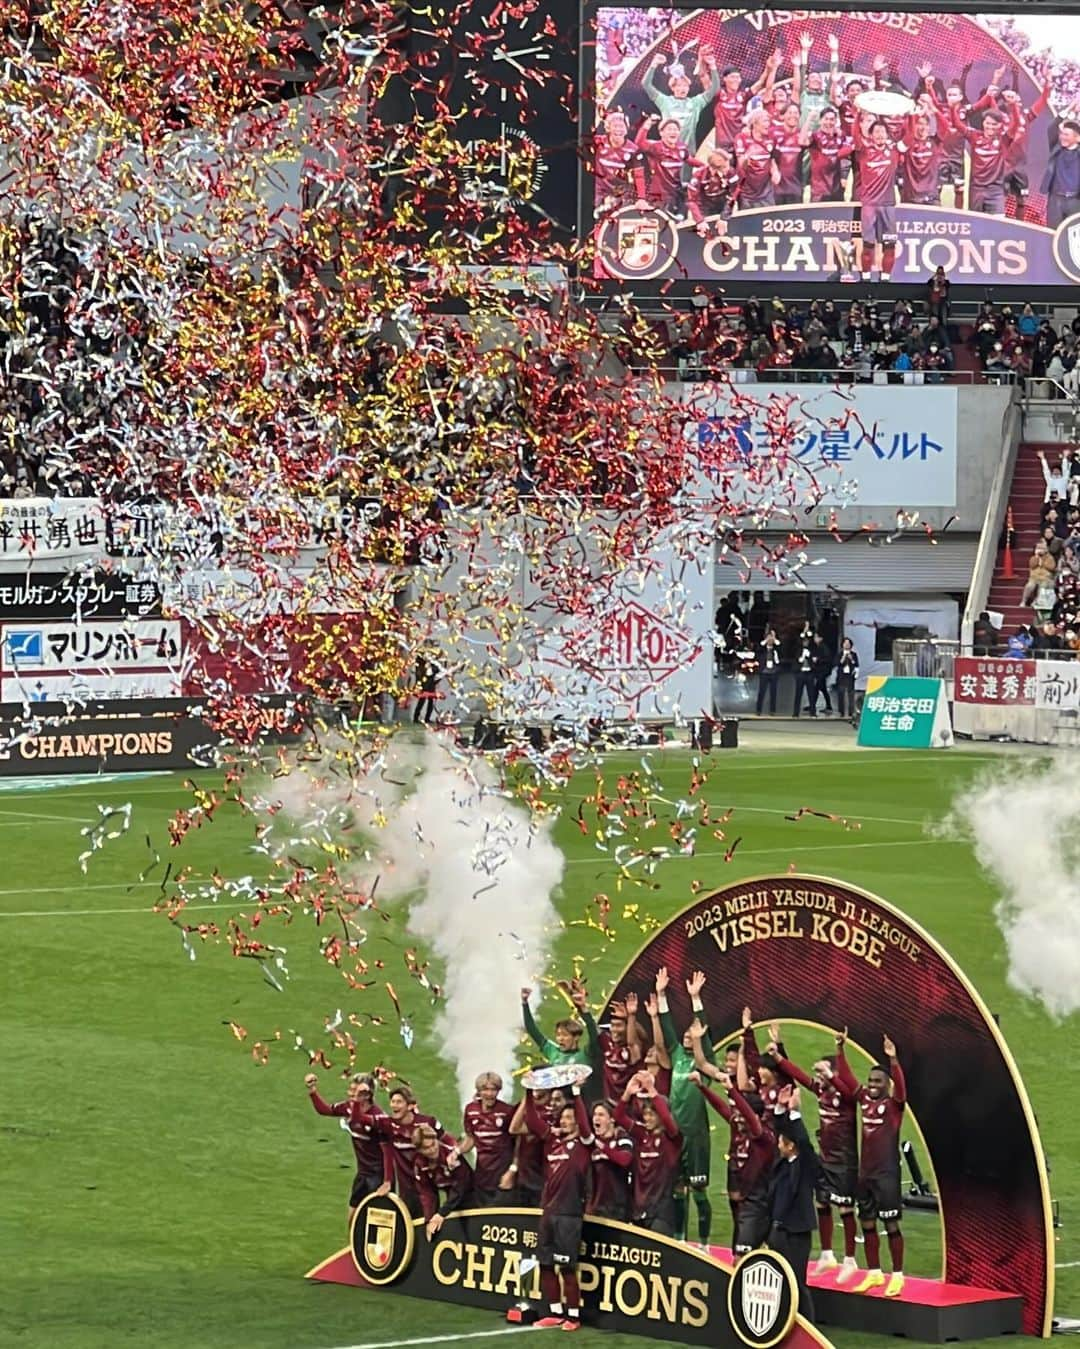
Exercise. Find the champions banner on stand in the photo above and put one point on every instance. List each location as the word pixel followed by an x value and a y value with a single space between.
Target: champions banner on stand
pixel 811 949
pixel 990 201
pixel 633 1282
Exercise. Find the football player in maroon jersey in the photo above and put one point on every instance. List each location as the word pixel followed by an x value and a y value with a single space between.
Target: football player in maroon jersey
pixel 374 1160
pixel 397 1129
pixel 838 1148
pixel 828 150
pixel 756 158
pixel 439 1169
pixel 567 1162
pixel 729 107
pixel 620 1046
pixel 528 1164
pixel 1016 165
pixel 712 194
pixel 670 162
pixel 878 161
pixel 486 1127
pixel 618 166
pixel 789 144
pixel 658 1146
pixel 753 1154
pixel 881 1103
pixel 989 150
pixel 923 158
pixel 612 1159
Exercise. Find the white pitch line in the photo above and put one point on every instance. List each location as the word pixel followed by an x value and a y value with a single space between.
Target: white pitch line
pixel 788 848
pixel 442 1339
pixel 1068 1264
pixel 195 908
pixel 36 815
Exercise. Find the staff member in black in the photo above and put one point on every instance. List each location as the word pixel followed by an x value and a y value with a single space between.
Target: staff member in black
pixel 804 675
pixel 768 656
pixel 823 663
pixel 793 1217
pixel 847 667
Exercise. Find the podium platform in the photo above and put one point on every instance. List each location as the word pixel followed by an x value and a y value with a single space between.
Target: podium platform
pixel 927 1310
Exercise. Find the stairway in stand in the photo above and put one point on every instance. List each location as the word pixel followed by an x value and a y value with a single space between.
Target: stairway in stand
pixel 1026 498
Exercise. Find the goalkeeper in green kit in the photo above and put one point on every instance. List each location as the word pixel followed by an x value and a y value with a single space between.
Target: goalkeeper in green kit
pixel 689 1108
pixel 567 1046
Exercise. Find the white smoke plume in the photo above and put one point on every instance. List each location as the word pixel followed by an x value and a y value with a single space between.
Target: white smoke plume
pixel 1025 829
pixel 479 874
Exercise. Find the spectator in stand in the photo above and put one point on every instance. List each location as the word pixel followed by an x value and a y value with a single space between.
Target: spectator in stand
pixel 1046 643
pixel 1055 546
pixel 1028 325
pixel 937 296
pixel 935 334
pixel 985 636
pixel 1019 645
pixel 1057 479
pixel 1041 573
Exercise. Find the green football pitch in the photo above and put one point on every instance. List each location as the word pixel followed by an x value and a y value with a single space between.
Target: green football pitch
pixel 160 1189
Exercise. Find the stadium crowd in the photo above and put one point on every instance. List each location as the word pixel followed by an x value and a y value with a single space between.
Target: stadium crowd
pixel 627 1138
pixel 856 340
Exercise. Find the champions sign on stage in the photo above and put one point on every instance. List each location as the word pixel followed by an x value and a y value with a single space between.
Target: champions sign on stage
pixel 810 144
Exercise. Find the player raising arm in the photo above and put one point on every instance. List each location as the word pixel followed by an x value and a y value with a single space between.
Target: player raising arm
pixel 439 1168
pixel 753 1154
pixel 838 1149
pixel 618 166
pixel 729 109
pixel 620 1046
pixel 680 104
pixel 657 1149
pixel 486 1124
pixel 567 1160
pixel 612 1160
pixel 398 1129
pixel 881 1102
pixel 567 1046
pixel 687 1105
pixel 989 150
pixel 374 1159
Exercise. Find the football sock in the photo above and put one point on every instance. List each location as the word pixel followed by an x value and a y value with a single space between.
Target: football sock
pixel 549 1287
pixel 896 1250
pixel 572 1293
pixel 873 1248
pixel 825 1228
pixel 680 1214
pixel 848 1220
pixel 704 1215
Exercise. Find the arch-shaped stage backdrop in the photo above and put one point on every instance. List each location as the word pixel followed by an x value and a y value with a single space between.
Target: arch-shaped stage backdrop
pixel 809 948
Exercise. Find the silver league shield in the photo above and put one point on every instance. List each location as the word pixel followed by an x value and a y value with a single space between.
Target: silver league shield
pixel 762 1288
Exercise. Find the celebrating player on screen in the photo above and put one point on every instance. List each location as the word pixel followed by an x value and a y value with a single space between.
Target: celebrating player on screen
pixel 989 148
pixel 567 1161
pixel 618 166
pixel 670 161
pixel 680 104
pixel 789 153
pixel 878 161
pixel 828 150
pixel 838 1150
pixel 759 173
pixel 729 108
pixel 881 1103
pixel 712 194
pixel 923 157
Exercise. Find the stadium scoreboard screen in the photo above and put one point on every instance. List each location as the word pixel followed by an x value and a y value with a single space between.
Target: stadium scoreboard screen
pixel 779 145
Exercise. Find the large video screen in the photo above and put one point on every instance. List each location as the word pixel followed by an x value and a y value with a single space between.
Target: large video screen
pixel 773 145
